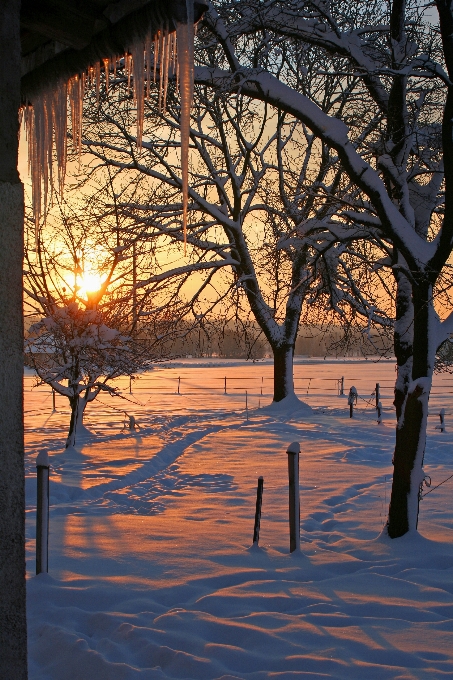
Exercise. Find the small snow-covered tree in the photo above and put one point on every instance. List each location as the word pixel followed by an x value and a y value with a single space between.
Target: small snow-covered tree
pixel 80 295
pixel 77 354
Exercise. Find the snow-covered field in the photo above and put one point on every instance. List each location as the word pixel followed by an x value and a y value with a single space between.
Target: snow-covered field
pixel 152 573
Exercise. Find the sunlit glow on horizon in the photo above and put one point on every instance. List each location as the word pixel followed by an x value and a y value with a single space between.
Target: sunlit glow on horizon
pixel 90 282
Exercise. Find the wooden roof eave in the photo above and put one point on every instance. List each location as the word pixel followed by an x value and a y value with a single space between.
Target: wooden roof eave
pixel 112 41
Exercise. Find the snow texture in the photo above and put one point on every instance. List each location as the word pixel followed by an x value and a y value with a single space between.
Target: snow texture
pixel 152 573
pixel 290 405
pixel 42 459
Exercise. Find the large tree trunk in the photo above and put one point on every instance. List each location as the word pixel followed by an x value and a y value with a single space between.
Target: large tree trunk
pixel 411 427
pixel 283 371
pixel 78 405
pixel 13 623
pixel 403 339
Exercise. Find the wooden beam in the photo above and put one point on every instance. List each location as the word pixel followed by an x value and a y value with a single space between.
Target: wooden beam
pixel 63 21
pixel 13 624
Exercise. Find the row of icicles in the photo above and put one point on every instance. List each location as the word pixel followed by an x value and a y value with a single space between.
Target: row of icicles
pixel 46 121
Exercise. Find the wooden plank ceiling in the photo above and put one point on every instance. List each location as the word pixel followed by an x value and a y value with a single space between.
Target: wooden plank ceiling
pixel 50 26
pixel 60 38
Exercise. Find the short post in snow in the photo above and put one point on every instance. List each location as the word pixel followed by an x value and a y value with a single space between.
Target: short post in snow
pixel 341 387
pixel 246 405
pixel 259 502
pixel 224 391
pixel 442 420
pixel 130 383
pixel 352 399
pixel 262 378
pixel 294 504
pixel 179 385
pixel 42 513
pixel 131 423
pixel 378 395
pixel 379 413
pixel 53 401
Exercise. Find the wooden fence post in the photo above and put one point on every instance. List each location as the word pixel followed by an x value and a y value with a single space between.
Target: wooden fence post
pixel 341 387
pixel 442 419
pixel 53 401
pixel 379 413
pixel 352 398
pixel 42 513
pixel 225 387
pixel 179 385
pixel 378 395
pixel 259 502
pixel 294 505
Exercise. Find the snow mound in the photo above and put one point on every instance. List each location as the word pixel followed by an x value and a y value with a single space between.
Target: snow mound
pixel 289 406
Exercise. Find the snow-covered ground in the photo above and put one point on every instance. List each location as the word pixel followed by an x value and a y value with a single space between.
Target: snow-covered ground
pixel 152 573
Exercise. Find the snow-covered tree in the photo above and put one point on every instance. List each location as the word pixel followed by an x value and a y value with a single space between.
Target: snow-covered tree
pixel 401 58
pixel 256 179
pixel 372 83
pixel 80 295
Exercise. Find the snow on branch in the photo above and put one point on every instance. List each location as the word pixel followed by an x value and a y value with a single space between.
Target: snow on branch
pixel 265 87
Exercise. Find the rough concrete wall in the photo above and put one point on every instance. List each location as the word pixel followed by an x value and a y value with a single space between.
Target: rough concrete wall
pixel 13 629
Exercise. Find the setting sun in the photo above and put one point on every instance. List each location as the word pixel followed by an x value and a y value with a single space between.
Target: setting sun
pixel 90 282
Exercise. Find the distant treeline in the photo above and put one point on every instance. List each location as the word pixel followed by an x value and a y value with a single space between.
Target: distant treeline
pixel 245 341
pixel 249 343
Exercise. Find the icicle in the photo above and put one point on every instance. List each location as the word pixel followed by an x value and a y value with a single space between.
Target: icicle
pixel 164 86
pixel 185 39
pixel 173 52
pixel 148 64
pixel 161 61
pixel 76 90
pixel 138 69
pixel 33 165
pixel 156 55
pixel 161 70
pixel 97 74
pixel 107 73
pixel 60 120
pixel 47 118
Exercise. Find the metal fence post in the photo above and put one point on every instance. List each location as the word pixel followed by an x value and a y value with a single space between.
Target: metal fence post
pixel 294 505
pixel 42 513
